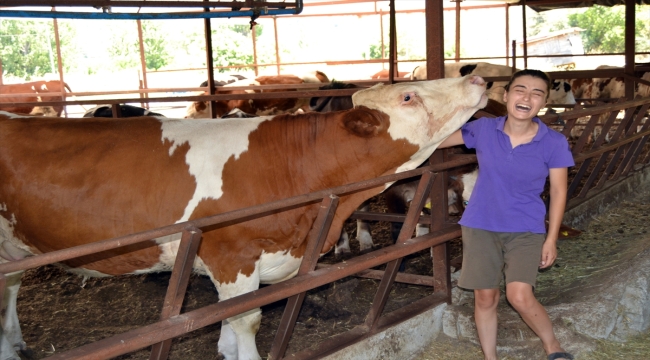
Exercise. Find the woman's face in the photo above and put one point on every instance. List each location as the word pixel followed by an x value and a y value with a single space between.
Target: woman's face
pixel 526 96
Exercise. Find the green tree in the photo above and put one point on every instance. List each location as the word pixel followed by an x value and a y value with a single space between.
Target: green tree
pixel 124 50
pixel 28 48
pixel 232 45
pixel 604 29
pixel 156 53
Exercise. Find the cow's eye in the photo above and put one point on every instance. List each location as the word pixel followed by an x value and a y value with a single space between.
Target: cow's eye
pixel 407 97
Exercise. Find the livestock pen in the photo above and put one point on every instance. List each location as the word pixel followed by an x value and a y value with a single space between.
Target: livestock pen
pixel 599 164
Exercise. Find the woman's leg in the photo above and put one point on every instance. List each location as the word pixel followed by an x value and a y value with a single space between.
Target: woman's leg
pixel 521 297
pixel 485 315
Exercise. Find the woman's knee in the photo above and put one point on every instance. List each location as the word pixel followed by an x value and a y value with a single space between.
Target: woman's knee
pixel 520 295
pixel 486 298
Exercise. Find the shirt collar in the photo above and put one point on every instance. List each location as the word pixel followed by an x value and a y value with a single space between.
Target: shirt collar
pixel 541 130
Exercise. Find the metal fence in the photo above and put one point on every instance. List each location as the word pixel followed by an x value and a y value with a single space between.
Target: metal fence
pixel 617 150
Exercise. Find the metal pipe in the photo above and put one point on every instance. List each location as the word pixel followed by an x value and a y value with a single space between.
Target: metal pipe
pixel 256 12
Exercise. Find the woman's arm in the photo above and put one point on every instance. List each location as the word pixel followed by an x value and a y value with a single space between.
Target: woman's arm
pixel 558 192
pixel 454 139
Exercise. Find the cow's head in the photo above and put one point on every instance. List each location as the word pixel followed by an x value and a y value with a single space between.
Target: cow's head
pixel 426 112
pixel 561 93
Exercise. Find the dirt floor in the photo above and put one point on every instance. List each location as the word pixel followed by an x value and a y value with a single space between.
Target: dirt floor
pixel 58 311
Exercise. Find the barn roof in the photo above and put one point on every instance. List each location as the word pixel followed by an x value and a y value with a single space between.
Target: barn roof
pixel 544 5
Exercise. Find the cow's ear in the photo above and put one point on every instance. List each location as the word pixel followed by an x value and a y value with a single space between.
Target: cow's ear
pixel 365 122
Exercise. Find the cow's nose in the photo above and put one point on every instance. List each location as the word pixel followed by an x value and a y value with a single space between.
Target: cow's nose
pixel 476 80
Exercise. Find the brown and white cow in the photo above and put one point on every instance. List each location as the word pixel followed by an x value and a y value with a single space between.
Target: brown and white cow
pixel 384 74
pixel 560 92
pixel 67 182
pixel 200 109
pixel 43 91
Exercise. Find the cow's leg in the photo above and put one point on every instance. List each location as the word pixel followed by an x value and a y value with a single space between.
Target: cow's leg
pixel 11 339
pixel 237 340
pixel 342 247
pixel 363 232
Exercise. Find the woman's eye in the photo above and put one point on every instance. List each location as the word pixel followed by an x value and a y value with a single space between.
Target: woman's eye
pixel 465 202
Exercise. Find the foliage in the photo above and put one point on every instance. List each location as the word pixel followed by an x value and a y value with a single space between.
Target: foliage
pixel 232 45
pixel 604 29
pixel 375 52
pixel 156 53
pixel 123 49
pixel 28 48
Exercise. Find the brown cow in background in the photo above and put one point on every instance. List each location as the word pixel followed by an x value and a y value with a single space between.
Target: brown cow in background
pixel 53 87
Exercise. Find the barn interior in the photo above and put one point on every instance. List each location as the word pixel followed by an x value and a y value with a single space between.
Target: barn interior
pixel 606 162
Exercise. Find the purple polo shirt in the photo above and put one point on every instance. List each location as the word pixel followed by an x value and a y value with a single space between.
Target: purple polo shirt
pixel 507 194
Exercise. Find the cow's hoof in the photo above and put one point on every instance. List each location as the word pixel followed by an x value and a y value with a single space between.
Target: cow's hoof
pixel 27 353
pixel 343 256
pixel 20 346
pixel 365 251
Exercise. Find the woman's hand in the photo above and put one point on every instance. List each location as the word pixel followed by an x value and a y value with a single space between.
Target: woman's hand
pixel 549 254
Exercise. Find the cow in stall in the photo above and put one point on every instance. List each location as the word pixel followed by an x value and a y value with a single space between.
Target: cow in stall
pixel 601 90
pixel 200 109
pixel 399 195
pixel 560 92
pixel 126 111
pixel 67 183
pixel 384 74
pixel 43 91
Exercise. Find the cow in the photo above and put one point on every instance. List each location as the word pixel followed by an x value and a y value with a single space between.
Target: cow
pixel 67 182
pixel 400 194
pixel 384 74
pixel 332 103
pixel 200 109
pixel 39 88
pixel 559 93
pixel 126 111
pixel 47 111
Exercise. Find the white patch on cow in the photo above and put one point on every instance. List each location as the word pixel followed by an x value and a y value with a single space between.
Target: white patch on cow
pixel 469 181
pixel 11 248
pixel 245 325
pixel 278 266
pixel 206 165
pixel 205 159
pixel 12 115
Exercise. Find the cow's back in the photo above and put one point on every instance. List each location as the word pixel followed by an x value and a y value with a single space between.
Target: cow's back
pixel 69 182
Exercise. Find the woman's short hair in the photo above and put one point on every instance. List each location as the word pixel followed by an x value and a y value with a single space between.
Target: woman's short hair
pixel 534 73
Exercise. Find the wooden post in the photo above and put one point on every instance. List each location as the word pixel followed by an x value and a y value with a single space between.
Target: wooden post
pixel 434 16
pixel 59 61
pixel 143 64
pixel 630 49
pixel 277 51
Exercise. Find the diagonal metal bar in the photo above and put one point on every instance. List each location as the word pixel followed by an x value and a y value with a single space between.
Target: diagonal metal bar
pixel 585 165
pixel 381 297
pixel 630 148
pixel 629 112
pixel 312 252
pixel 638 150
pixel 177 287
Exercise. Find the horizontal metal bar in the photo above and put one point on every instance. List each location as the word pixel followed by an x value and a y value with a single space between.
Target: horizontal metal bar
pixel 208 315
pixel 219 220
pixel 144 16
pixel 146 4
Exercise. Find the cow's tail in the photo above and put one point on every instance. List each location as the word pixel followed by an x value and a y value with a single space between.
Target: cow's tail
pixel 65 85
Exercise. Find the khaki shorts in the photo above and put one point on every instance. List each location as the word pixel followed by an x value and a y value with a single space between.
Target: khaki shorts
pixel 488 255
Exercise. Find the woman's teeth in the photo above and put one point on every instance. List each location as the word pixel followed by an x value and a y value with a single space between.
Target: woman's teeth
pixel 523 107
